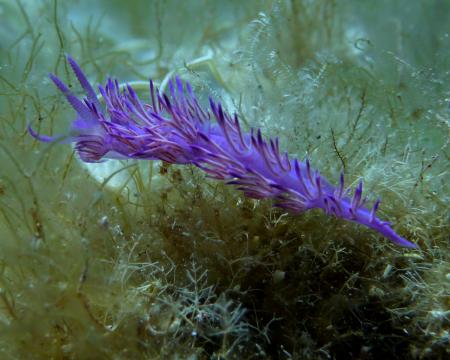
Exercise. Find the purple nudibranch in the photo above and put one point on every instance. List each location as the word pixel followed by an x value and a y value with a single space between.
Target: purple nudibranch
pixel 178 130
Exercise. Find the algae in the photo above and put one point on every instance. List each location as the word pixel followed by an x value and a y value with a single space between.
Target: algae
pixel 163 263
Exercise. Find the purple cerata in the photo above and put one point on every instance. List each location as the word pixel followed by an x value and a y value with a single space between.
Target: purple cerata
pixel 175 128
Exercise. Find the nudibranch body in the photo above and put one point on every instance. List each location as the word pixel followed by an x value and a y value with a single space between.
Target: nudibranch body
pixel 177 129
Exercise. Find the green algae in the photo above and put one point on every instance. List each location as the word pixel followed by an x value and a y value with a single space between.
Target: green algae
pixel 169 264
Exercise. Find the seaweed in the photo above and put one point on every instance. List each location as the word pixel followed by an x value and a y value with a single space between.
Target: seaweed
pixel 163 263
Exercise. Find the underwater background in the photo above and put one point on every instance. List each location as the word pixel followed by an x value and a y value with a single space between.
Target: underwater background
pixel 146 260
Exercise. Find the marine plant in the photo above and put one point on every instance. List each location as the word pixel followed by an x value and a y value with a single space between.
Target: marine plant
pixel 143 259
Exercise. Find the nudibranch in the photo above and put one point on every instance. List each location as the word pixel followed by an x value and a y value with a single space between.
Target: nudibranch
pixel 174 127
